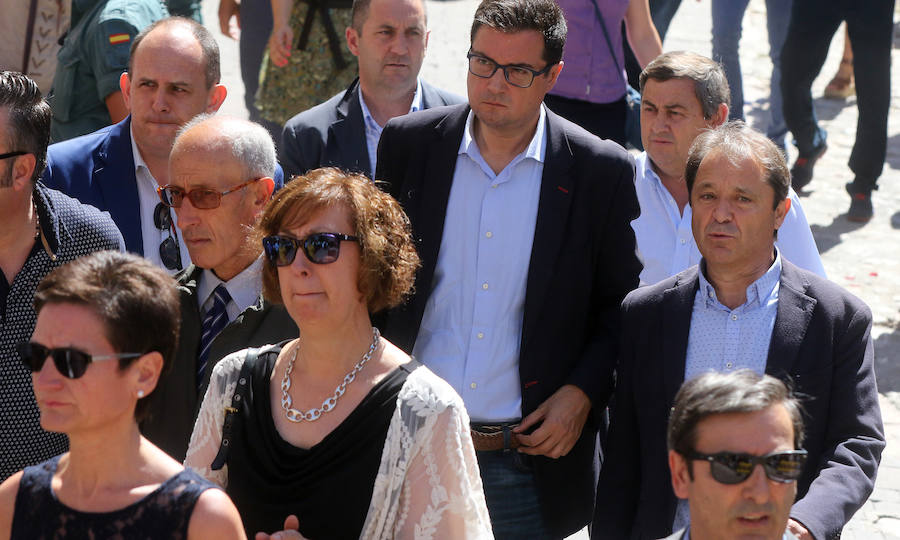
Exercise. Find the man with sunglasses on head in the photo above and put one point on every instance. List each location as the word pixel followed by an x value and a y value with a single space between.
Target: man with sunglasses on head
pixel 173 75
pixel 735 455
pixel 41 230
pixel 220 179
pixel 522 222
pixel 743 306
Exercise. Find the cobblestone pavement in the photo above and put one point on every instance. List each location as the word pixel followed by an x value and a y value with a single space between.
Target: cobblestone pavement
pixel 865 259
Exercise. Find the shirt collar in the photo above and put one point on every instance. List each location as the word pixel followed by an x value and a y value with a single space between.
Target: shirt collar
pixel 243 288
pixel 416 105
pixel 138 158
pixel 758 292
pixel 536 149
pixel 51 228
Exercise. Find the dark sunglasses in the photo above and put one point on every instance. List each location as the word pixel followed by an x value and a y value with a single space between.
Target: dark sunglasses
pixel 70 362
pixel 168 249
pixel 730 468
pixel 201 198
pixel 319 248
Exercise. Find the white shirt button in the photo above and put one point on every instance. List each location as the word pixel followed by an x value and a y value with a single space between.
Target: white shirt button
pixel 733 317
pixel 683 241
pixel 484 285
pixel 489 234
pixel 480 335
pixel 473 386
pixel 728 365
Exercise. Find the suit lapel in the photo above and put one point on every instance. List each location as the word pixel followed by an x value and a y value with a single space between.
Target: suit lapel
pixel 677 308
pixel 432 189
pixel 114 176
pixel 795 309
pixel 347 141
pixel 557 191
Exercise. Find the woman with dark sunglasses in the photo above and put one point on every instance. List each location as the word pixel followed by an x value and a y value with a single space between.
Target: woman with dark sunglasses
pixel 339 431
pixel 107 325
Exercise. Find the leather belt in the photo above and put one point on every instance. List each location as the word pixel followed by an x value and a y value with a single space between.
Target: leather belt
pixel 492 437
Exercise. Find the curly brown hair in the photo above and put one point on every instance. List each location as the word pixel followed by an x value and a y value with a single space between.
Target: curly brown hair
pixel 388 258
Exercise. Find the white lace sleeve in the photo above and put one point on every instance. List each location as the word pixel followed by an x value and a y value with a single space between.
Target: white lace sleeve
pixel 428 484
pixel 207 434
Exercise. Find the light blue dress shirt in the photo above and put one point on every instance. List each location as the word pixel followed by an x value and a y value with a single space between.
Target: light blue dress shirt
pixel 665 241
pixel 725 340
pixel 244 289
pixel 373 129
pixel 785 536
pixel 471 330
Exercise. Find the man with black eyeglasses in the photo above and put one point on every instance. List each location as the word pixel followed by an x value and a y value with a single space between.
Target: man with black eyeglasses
pixel 735 455
pixel 220 179
pixel 41 229
pixel 521 219
pixel 173 75
pixel 743 307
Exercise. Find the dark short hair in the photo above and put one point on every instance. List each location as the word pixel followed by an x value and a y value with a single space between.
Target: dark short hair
pixel 136 301
pixel 710 83
pixel 512 16
pixel 28 118
pixel 743 391
pixel 359 12
pixel 206 40
pixel 388 259
pixel 736 140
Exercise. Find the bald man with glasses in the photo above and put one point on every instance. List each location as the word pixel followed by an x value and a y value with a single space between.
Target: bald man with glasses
pixel 220 179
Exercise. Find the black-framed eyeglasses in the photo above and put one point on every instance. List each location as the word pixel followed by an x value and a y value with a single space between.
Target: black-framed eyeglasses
pixel 319 248
pixel 734 468
pixel 169 253
pixel 13 154
pixel 201 198
pixel 519 76
pixel 70 362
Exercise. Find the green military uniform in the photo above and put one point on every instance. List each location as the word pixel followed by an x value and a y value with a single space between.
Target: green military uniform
pixel 93 57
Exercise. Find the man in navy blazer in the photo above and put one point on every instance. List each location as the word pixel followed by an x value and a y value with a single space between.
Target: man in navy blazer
pixel 389 37
pixel 742 307
pixel 521 219
pixel 173 76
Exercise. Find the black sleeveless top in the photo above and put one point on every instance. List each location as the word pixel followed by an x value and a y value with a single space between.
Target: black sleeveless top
pixel 165 513
pixel 328 486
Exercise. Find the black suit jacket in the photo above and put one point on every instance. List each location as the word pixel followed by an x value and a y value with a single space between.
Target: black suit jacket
pixel 582 264
pixel 176 400
pixel 333 133
pixel 820 344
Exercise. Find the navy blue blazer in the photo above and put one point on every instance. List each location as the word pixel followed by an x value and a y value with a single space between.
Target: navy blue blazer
pixel 333 133
pixel 582 265
pixel 821 344
pixel 98 169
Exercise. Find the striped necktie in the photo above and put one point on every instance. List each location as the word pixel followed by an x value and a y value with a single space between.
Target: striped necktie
pixel 215 319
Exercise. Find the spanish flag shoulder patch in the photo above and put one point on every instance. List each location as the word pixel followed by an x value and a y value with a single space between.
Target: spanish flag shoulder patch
pixel 115 39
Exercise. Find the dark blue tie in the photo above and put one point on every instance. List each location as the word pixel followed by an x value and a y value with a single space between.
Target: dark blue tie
pixel 215 319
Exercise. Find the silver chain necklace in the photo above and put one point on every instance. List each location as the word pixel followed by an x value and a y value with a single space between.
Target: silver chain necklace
pixel 328 405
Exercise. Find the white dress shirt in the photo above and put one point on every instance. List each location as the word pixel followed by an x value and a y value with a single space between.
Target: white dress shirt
pixel 243 288
pixel 666 244
pixel 471 331
pixel 374 129
pixel 148 199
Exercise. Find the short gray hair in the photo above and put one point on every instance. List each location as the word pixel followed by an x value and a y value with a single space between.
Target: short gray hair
pixel 743 391
pixel 710 84
pixel 248 142
pixel 736 140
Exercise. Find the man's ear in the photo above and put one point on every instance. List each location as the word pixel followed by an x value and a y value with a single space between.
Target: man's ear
pixel 720 116
pixel 352 38
pixel 553 75
pixel 217 96
pixel 681 479
pixel 781 212
pixel 264 188
pixel 125 86
pixel 22 170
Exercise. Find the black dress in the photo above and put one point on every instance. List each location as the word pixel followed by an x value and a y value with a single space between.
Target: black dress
pixel 328 486
pixel 165 513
